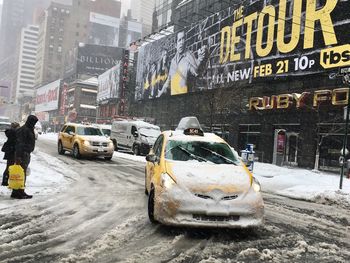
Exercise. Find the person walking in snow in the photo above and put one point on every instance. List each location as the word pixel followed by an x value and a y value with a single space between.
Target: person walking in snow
pixel 9 149
pixel 24 146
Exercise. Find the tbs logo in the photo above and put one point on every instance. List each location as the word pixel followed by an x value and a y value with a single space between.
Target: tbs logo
pixel 335 57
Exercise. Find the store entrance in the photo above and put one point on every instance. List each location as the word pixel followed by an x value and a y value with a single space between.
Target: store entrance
pixel 291 156
pixel 285 148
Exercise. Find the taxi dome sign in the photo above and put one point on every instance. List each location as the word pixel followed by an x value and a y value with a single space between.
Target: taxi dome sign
pixel 188 122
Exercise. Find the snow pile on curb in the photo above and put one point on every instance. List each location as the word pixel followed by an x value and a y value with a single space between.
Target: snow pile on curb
pixel 320 187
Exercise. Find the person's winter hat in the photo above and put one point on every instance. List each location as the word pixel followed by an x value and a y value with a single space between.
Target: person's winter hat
pixel 31 121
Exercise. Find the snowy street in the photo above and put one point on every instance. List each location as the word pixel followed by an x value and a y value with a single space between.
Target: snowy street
pixel 96 211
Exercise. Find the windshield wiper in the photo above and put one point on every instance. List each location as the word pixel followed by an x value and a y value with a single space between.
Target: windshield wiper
pixel 198 158
pixel 219 155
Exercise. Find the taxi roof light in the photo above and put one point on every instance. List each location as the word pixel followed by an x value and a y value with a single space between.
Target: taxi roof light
pixel 190 126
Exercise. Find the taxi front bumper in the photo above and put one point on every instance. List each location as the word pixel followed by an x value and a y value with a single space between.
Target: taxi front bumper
pixel 89 150
pixel 181 207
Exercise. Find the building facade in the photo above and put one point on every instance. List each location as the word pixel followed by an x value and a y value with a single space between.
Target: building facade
pixel 81 101
pixel 258 72
pixel 91 22
pixel 50 55
pixel 15 15
pixel 182 13
pixel 27 54
pixel 142 11
pixel 130 30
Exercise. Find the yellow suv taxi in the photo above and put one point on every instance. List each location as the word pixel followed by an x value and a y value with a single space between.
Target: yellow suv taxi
pixel 84 140
pixel 194 178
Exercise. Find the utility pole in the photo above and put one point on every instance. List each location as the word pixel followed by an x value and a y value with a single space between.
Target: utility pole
pixel 346 80
pixel 345 74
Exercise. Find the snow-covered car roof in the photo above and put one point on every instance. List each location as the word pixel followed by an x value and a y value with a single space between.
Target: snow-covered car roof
pixel 180 136
pixel 139 123
pixel 81 125
pixel 103 126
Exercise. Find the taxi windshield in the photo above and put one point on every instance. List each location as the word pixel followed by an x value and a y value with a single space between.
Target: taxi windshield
pixel 106 132
pixel 88 131
pixel 218 153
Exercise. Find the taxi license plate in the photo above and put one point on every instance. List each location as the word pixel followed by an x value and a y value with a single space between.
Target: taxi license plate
pixel 100 149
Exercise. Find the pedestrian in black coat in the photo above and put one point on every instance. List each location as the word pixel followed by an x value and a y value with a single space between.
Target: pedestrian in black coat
pixel 9 149
pixel 24 146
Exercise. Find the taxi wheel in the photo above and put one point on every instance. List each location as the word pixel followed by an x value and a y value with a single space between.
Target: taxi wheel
pixel 76 152
pixel 151 207
pixel 108 158
pixel 136 149
pixel 60 148
pixel 115 145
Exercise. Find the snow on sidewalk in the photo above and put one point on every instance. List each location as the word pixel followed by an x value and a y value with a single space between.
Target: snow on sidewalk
pixel 303 184
pixel 47 176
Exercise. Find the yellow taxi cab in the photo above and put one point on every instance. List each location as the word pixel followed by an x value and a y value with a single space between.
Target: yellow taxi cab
pixel 195 179
pixel 84 140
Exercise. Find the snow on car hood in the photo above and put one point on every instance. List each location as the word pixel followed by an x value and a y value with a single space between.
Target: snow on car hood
pixel 204 177
pixel 95 138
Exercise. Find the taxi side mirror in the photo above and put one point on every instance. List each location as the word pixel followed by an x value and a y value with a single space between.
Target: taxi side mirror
pixel 152 158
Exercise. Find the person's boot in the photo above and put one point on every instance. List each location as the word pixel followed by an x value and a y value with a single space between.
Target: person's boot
pixel 5 180
pixel 26 196
pixel 16 194
pixel 20 194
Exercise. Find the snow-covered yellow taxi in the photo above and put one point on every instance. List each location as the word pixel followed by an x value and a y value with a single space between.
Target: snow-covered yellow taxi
pixel 195 179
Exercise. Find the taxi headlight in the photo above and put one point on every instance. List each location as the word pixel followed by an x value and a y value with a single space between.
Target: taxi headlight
pixel 86 143
pixel 256 185
pixel 167 181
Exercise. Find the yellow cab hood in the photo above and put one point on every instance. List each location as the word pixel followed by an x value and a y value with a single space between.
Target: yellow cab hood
pixel 199 177
pixel 94 138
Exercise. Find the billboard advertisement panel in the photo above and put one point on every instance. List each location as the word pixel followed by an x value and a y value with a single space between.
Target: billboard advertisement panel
pixel 109 83
pixel 247 44
pixel 47 97
pixel 104 30
pixel 95 60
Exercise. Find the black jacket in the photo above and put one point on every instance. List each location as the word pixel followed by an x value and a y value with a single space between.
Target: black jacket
pixel 10 144
pixel 26 137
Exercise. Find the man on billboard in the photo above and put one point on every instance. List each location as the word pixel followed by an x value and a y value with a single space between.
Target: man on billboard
pixel 184 65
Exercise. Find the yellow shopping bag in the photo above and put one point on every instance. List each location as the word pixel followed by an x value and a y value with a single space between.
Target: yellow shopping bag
pixel 16 177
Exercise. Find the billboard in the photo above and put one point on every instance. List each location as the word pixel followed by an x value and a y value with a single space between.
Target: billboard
pixel 247 44
pixel 95 60
pixel 47 97
pixel 109 83
pixel 104 30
